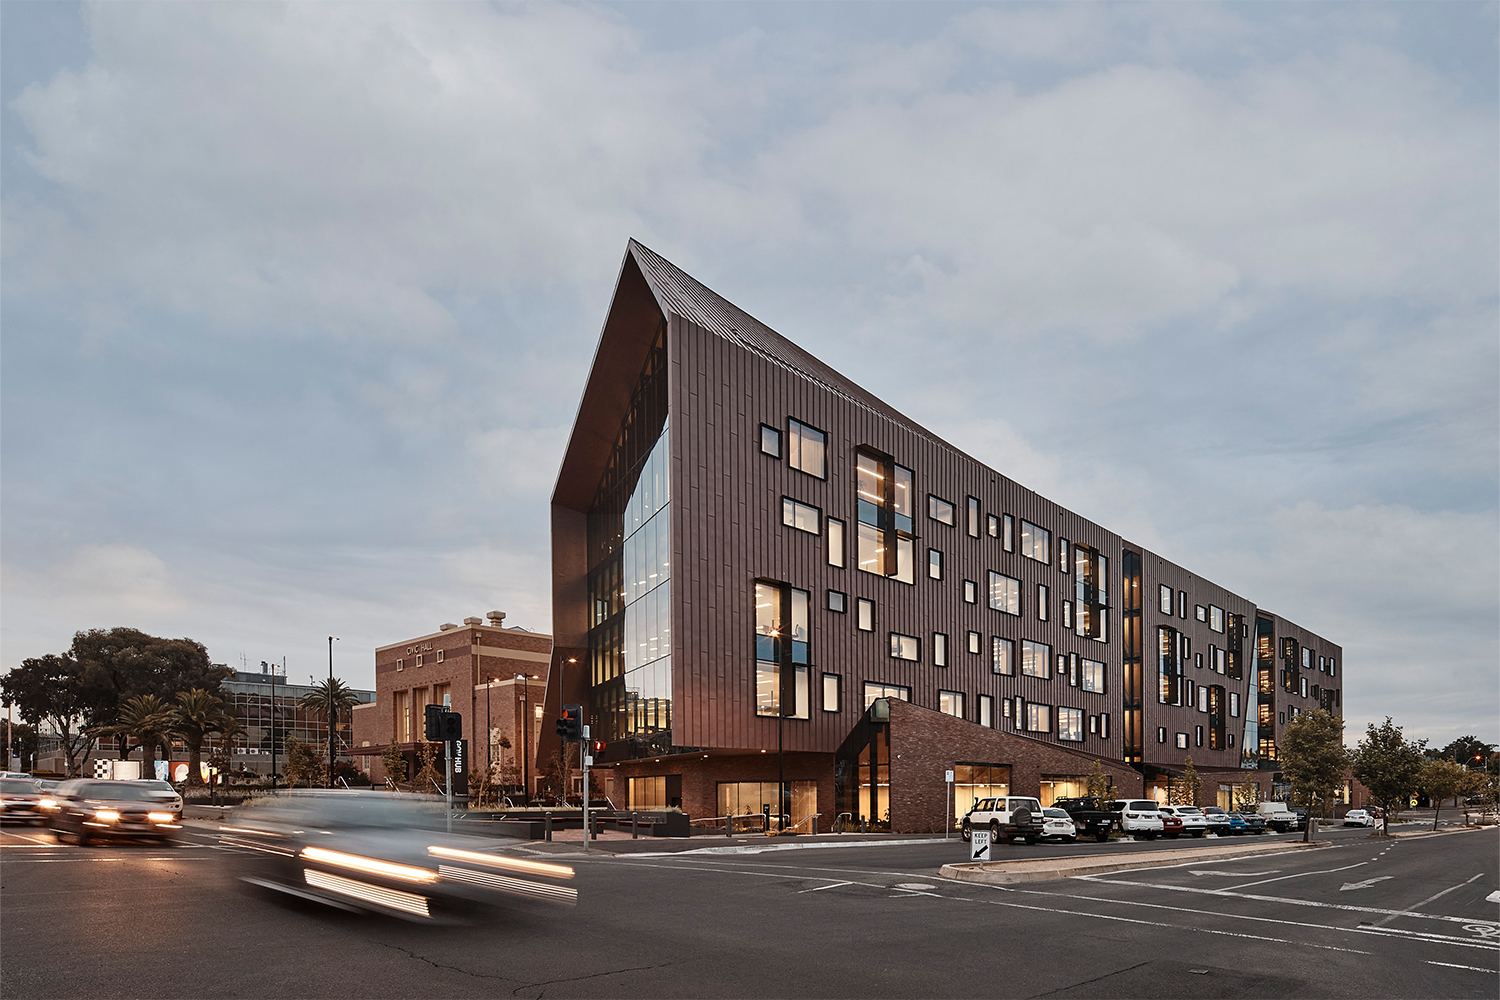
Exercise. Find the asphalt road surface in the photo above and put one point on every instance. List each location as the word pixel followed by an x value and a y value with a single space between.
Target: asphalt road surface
pixel 1364 918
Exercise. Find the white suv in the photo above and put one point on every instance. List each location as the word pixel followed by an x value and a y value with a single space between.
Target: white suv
pixel 1193 820
pixel 1008 817
pixel 1139 817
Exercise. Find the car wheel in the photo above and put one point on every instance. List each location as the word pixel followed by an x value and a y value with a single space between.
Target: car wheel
pixel 994 832
pixel 1102 836
pixel 1030 841
pixel 1197 833
pixel 1149 836
pixel 968 831
pixel 1071 840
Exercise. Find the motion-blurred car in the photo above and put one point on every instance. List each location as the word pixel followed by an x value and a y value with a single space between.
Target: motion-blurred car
pixel 1358 817
pixel 21 800
pixel 163 793
pixel 1194 823
pixel 1057 823
pixel 90 809
pixel 382 852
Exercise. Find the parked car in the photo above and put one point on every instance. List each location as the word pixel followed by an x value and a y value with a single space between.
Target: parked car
pixel 1237 824
pixel 1254 822
pixel 1138 817
pixel 1057 823
pixel 382 853
pixel 1194 823
pixel 1276 815
pixel 1218 821
pixel 1299 818
pixel 1171 825
pixel 1358 817
pixel 21 800
pixel 1090 814
pixel 1008 817
pixel 90 809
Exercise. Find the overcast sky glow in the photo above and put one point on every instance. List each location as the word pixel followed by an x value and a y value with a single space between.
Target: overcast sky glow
pixel 298 300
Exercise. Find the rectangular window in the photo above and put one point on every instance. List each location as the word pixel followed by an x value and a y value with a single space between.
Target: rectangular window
pixel 972 520
pixel 939 649
pixel 1164 599
pixel 1036 659
pixel 1198 736
pixel 1216 618
pixel 781 643
pixel 835 542
pixel 400 664
pixel 807 449
pixel 939 509
pixel 1161 734
pixel 1306 658
pixel 1199 664
pixel 883 495
pixel 904 647
pixel 992 525
pixel 1067 614
pixel 1064 555
pixel 1202 698
pixel 803 517
pixel 440 655
pixel 1093 723
pixel 1219 660
pixel 951 703
pixel 1008 542
pixel 1304 687
pixel 1005 593
pixel 419 659
pixel 1003 656
pixel 1005 707
pixel 1070 724
pixel 1187 648
pixel 934 564
pixel 830 692
pixel 975 641
pixel 1234 704
pixel 837 601
pixel 1200 612
pixel 866 621
pixel 971 592
pixel 1091 676
pixel 987 711
pixel 874 691
pixel 1038 718
pixel 1333 667
pixel 1036 542
pixel 1182 604
pixel 1041 602
pixel 770 441
pixel 1104 725
pixel 1182 741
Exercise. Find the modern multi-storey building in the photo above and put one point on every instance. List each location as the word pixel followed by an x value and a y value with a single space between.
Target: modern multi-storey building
pixel 765 574
pixel 270 711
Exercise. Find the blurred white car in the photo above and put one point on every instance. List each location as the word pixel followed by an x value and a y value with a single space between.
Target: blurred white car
pixel 1057 823
pixel 1358 817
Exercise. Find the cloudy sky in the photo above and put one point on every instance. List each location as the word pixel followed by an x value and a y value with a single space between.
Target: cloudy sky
pixel 298 300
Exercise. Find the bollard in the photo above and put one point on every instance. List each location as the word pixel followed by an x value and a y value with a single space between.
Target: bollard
pixel 729 825
pixel 634 833
pixel 547 827
pixel 863 826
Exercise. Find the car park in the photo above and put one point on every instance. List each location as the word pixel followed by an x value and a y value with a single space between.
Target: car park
pixel 1138 817
pixel 1299 818
pixel 1057 823
pixel 1254 822
pixel 1194 823
pixel 21 800
pixel 1217 820
pixel 1358 817
pixel 1007 817
pixel 92 809
pixel 382 853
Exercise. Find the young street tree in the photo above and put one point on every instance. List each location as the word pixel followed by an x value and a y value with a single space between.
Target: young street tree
pixel 394 761
pixel 1186 790
pixel 1440 779
pixel 1390 766
pixel 1313 759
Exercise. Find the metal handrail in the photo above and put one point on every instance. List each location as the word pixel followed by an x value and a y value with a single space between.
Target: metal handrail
pixel 811 816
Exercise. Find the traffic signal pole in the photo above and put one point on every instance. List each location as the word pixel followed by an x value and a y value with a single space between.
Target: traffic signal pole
pixel 583 755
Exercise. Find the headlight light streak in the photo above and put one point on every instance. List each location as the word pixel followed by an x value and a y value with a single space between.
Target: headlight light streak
pixel 160 817
pixel 370 866
pixel 392 899
pixel 496 861
pixel 107 815
pixel 520 887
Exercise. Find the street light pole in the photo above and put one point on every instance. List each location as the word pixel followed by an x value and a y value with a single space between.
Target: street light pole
pixel 331 640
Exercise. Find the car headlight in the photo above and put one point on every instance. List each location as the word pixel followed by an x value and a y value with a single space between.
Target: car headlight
pixel 160 817
pixel 48 803
pixel 108 815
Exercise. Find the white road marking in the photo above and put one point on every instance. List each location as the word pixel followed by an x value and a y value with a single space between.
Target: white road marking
pixel 1471 968
pixel 1367 883
pixel 1324 871
pixel 1200 871
pixel 831 885
pixel 1274 899
pixel 919 886
pixel 1436 895
pixel 1493 897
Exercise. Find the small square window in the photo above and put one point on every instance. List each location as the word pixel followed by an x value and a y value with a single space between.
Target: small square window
pixel 976 643
pixel 971 592
pixel 866 610
pixel 440 655
pixel 934 564
pixel 905 647
pixel 1182 741
pixel 1200 612
pixel 770 441
pixel 939 509
pixel 830 692
pixel 939 649
pixel 837 601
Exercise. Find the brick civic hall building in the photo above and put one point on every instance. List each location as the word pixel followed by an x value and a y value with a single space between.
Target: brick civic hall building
pixel 750 552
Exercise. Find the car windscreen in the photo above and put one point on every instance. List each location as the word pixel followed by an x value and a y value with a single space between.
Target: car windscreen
pixel 17 786
pixel 1054 813
pixel 121 792
pixel 1188 810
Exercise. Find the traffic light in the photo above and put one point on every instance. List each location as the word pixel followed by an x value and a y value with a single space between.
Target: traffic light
pixel 452 726
pixel 598 747
pixel 434 727
pixel 570 723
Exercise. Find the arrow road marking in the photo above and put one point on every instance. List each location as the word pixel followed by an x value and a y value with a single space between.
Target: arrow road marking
pixel 1204 871
pixel 1365 884
pixel 1493 897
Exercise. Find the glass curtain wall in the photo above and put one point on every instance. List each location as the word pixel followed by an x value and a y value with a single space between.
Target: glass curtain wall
pixel 630 569
pixel 977 781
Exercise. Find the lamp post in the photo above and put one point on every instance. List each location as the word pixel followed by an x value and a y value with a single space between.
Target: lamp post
pixel 331 640
pixel 523 734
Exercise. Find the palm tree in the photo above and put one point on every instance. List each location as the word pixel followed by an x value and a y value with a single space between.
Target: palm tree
pixel 329 697
pixel 147 717
pixel 198 713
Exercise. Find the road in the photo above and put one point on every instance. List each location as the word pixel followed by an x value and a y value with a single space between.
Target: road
pixel 1365 917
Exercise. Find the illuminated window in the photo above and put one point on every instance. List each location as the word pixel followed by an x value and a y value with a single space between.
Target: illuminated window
pixel 951 703
pixel 803 517
pixel 1036 542
pixel 807 449
pixel 835 542
pixel 939 649
pixel 1036 659
pixel 1038 718
pixel 905 647
pixel 1002 656
pixel 939 509
pixel 830 692
pixel 866 616
pixel 883 494
pixel 873 691
pixel 1091 676
pixel 1041 602
pixel 971 592
pixel 1009 541
pixel 1005 593
pixel 934 564
pixel 1164 599
pixel 1070 724
pixel 987 711
pixel 971 522
pixel 975 640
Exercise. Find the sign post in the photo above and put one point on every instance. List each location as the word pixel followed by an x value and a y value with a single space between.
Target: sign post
pixel 586 760
pixel 948 819
pixel 979 847
pixel 448 795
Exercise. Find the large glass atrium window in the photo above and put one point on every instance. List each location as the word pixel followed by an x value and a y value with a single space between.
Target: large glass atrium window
pixel 883 495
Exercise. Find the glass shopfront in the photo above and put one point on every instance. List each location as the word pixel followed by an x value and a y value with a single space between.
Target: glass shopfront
pixel 1060 786
pixel 742 798
pixel 977 781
